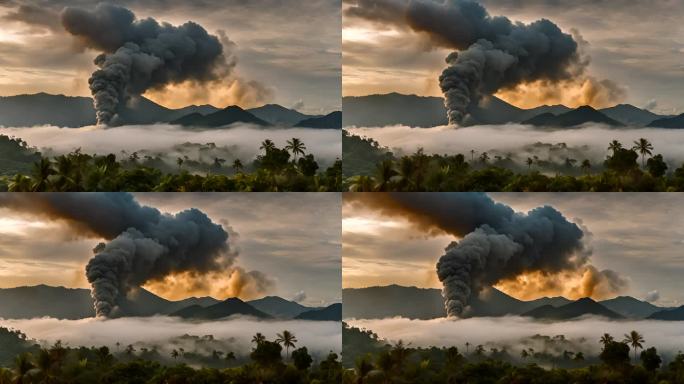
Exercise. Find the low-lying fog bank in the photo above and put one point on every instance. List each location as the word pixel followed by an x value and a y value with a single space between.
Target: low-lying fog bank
pixel 242 140
pixel 512 331
pixel 165 333
pixel 588 141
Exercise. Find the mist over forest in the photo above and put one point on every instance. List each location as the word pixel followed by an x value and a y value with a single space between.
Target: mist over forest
pixel 589 141
pixel 240 141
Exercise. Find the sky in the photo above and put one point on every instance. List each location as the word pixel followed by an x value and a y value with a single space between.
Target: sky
pixel 637 236
pixel 298 249
pixel 637 45
pixel 287 52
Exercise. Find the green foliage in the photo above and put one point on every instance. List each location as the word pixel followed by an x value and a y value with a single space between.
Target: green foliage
pixel 650 359
pixel 16 156
pixel 14 343
pixel 656 166
pixel 267 353
pixel 273 170
pixel 551 361
pixel 615 354
pixel 61 365
pixel 301 358
pixel 369 168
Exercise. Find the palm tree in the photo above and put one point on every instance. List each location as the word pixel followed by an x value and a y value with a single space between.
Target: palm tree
pixel 385 172
pixel 258 338
pixel 44 363
pixel 267 145
pixel 179 161
pixel 362 368
pixel 467 344
pixel 400 354
pixel 287 339
pixel 472 155
pixel 614 146
pixel 484 157
pixel 405 173
pixel 237 166
pixel 42 170
pixel 22 366
pixel 296 147
pixel 218 162
pixel 606 339
pixel 634 339
pixel 19 183
pixel 385 363
pixel 644 147
pixel 529 162
pixel 361 183
pixel 586 166
pixel 174 354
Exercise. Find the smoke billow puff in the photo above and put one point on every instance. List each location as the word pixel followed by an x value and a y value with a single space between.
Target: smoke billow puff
pixel 144 245
pixel 496 242
pixel 141 54
pixel 492 53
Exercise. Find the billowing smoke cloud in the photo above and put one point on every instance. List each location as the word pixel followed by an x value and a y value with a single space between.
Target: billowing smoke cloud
pixel 492 53
pixel 299 297
pixel 141 54
pixel 652 296
pixel 496 242
pixel 144 245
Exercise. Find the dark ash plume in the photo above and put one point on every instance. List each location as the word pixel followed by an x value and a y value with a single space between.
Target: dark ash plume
pixel 493 53
pixel 141 54
pixel 496 242
pixel 143 243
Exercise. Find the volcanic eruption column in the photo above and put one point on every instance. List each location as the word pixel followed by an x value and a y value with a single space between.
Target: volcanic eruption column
pixel 143 243
pixel 141 54
pixel 492 53
pixel 496 242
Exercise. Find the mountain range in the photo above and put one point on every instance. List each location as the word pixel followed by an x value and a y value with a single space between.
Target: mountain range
pixel 428 111
pixel 226 308
pixel 77 111
pixel 582 307
pixel 572 118
pixel 329 313
pixel 76 303
pixel 427 303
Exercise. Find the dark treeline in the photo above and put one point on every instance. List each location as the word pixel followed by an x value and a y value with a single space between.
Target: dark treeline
pixel 274 169
pixel 369 360
pixel 22 361
pixel 16 156
pixel 370 167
